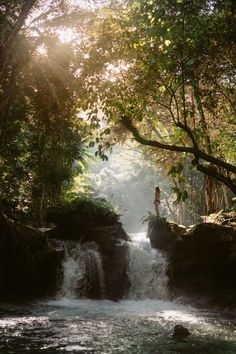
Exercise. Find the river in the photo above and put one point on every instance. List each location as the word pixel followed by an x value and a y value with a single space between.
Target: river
pixel 141 324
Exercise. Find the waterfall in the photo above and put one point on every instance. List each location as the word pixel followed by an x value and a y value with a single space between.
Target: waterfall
pixel 146 270
pixel 83 271
pixel 84 274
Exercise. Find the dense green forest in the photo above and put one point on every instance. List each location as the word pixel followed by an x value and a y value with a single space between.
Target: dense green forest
pixel 118 176
pixel 78 78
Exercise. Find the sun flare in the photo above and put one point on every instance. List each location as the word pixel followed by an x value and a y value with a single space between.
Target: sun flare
pixel 42 50
pixel 66 35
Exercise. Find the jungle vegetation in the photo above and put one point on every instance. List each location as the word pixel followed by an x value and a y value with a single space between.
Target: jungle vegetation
pixel 78 75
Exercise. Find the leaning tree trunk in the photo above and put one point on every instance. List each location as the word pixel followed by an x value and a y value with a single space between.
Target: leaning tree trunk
pixel 216 196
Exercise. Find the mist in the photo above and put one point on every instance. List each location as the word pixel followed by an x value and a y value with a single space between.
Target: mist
pixel 128 180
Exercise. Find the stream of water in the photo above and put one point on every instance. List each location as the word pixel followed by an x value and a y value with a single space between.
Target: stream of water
pixel 141 324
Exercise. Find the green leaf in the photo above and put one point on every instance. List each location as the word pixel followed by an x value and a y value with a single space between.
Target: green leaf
pixel 190 62
pixel 107 131
pixel 91 144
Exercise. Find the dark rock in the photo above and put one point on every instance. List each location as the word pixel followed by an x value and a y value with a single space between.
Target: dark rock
pixel 91 283
pixel 83 223
pixel 115 267
pixel 111 243
pixel 75 217
pixel 204 264
pixel 113 247
pixel 163 234
pixel 180 332
pixel 105 236
pixel 28 263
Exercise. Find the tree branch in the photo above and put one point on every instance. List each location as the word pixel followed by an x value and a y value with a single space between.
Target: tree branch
pixel 154 143
pixel 213 173
pixel 194 150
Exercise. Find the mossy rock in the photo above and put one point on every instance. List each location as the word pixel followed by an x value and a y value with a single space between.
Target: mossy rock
pixel 74 218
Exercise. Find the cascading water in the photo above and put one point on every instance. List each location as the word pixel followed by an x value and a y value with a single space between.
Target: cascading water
pixel 147 270
pixel 83 272
pixel 141 324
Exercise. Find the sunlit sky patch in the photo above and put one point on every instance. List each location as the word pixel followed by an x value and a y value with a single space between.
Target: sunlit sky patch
pixel 66 35
pixel 42 50
pixel 115 70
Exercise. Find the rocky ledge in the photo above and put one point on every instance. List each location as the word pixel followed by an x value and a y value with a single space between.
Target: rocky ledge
pixel 110 241
pixel 31 260
pixel 202 261
pixel 29 264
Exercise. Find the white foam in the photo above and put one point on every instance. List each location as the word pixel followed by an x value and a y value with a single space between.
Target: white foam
pixel 147 270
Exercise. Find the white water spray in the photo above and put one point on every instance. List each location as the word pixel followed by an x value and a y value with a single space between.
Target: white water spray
pixel 83 272
pixel 147 270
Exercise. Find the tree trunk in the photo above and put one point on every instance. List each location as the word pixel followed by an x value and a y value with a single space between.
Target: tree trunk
pixel 182 212
pixel 227 199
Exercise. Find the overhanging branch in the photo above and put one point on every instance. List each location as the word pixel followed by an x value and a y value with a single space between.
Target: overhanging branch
pixel 216 175
pixel 194 150
pixel 154 143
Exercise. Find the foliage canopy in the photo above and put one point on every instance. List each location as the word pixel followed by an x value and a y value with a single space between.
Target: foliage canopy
pixel 166 71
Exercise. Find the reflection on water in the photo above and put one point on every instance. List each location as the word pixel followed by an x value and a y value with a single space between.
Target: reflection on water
pixel 86 326
pixel 141 325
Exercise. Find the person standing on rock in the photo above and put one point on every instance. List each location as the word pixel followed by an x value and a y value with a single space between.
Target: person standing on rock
pixel 157 201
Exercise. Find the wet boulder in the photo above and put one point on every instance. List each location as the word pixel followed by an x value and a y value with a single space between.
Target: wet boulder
pixel 113 247
pixel 203 264
pixel 110 244
pixel 163 234
pixel 180 332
